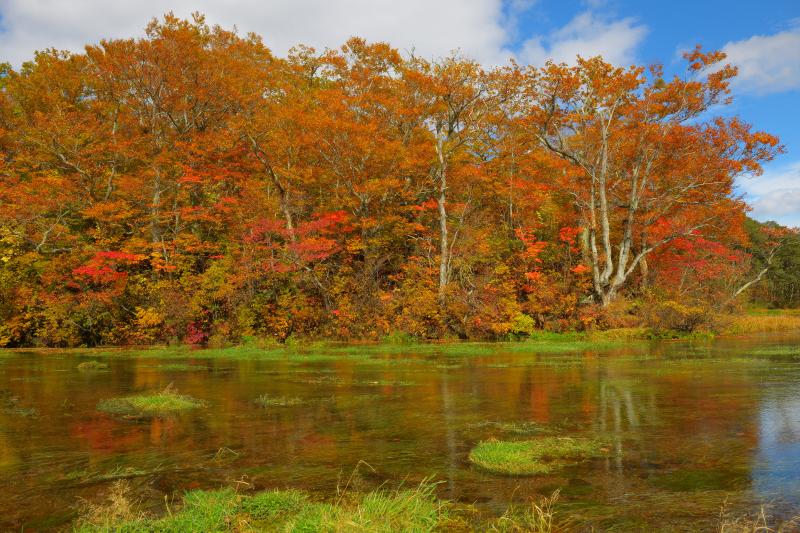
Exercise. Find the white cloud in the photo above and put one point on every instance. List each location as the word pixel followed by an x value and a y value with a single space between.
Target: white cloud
pixel 775 195
pixel 767 63
pixel 587 35
pixel 479 28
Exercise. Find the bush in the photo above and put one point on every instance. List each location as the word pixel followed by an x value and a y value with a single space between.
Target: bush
pixel 674 316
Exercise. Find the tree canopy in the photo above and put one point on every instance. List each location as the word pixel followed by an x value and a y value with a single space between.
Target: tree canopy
pixel 191 185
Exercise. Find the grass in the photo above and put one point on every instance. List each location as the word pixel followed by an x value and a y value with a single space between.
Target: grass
pixel 382 511
pixel 536 517
pixel 154 404
pixel 763 321
pixel 92 366
pixel 533 457
pixel 265 400
pixel 127 472
pixel 367 353
pixel 760 522
pixel 416 510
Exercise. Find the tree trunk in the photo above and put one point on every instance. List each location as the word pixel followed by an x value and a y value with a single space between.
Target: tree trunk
pixel 444 251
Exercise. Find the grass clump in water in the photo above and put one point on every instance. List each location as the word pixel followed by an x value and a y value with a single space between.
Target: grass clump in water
pixel 92 366
pixel 154 404
pixel 537 517
pixel 532 457
pixel 265 400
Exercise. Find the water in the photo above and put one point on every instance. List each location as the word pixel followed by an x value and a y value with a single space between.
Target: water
pixel 689 427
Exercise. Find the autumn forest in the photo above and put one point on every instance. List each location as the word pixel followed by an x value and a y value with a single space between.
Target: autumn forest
pixel 193 187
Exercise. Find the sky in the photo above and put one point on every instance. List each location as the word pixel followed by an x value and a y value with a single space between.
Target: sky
pixel 761 38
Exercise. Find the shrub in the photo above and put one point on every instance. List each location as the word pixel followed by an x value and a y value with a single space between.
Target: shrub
pixel 675 316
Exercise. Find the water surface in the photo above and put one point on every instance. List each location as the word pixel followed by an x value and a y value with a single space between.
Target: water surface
pixel 689 428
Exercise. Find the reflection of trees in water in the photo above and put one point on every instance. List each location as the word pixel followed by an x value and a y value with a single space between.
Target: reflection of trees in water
pixel 621 414
pixel 450 434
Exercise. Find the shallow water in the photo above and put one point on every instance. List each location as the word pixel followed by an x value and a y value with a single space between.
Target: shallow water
pixel 689 428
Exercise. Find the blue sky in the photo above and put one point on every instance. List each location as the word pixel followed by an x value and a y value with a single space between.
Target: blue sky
pixel 762 38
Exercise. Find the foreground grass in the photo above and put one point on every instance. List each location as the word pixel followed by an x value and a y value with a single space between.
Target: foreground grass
pixel 150 405
pixel 532 457
pixel 415 510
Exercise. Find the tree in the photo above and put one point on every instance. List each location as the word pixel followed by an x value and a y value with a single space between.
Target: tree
pixel 642 155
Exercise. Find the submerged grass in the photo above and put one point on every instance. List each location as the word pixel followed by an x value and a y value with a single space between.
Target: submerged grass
pixel 511 428
pixel 180 367
pixel 265 400
pixel 10 405
pixel 92 366
pixel 154 404
pixel 532 457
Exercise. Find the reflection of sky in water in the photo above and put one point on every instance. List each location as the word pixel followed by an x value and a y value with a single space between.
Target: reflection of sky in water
pixel 776 473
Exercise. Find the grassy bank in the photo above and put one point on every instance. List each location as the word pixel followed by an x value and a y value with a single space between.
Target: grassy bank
pixel 541 342
pixel 257 349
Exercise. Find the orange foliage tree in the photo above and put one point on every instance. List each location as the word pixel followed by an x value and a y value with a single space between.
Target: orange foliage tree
pixel 192 186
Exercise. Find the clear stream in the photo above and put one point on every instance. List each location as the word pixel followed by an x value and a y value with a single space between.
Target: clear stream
pixel 690 427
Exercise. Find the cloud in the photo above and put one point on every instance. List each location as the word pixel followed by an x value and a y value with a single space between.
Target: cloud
pixel 777 204
pixel 479 28
pixel 767 63
pixel 587 35
pixel 775 195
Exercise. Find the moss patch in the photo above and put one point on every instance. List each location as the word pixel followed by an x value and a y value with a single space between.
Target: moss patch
pixel 150 405
pixel 532 457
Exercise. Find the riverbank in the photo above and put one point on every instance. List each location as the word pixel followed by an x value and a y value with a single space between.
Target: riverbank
pixel 753 322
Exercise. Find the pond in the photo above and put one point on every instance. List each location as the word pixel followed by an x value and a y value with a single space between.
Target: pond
pixel 689 428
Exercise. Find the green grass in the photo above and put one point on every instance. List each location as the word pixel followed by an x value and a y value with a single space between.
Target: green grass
pixel 373 353
pixel 154 404
pixel 532 457
pixel 382 511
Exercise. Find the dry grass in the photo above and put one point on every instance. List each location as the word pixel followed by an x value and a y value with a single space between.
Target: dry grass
pixel 760 523
pixel 762 323
pixel 119 507
pixel 537 517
